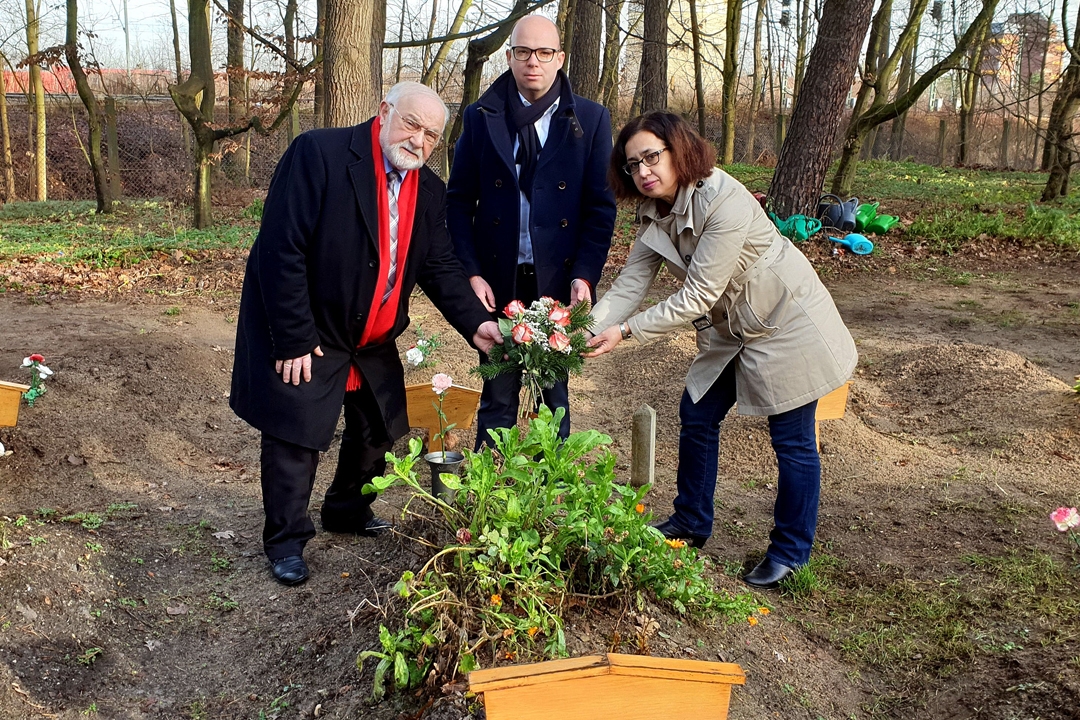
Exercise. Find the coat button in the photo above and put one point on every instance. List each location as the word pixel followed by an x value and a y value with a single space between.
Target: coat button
pixel 701 183
pixel 562 185
pixel 687 257
pixel 371 263
pixel 498 183
pixel 359 317
pixel 563 223
pixel 495 221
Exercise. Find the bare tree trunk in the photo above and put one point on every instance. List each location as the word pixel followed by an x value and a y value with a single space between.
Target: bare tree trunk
pixel 803 31
pixel 1059 136
pixel 97 165
pixel 41 177
pixel 609 75
pixel 5 134
pixel 234 59
pixel 819 107
pixel 319 99
pixel 179 68
pixel 352 60
pixel 426 58
pixel 290 23
pixel 583 74
pixel 731 80
pixel 652 75
pixel 907 77
pixel 969 92
pixel 565 21
pixel 431 74
pixel 755 94
pixel 699 83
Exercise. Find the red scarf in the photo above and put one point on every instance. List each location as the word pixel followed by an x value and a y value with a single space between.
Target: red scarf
pixel 381 319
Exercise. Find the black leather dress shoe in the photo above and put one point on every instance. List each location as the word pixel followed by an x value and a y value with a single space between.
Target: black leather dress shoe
pixel 671 531
pixel 768 574
pixel 375 526
pixel 291 570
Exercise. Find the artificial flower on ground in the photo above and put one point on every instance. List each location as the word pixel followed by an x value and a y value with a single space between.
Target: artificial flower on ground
pixel 543 342
pixel 421 354
pixel 440 383
pixel 38 374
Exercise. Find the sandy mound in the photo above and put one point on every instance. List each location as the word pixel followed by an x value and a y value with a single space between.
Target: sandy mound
pixel 974 395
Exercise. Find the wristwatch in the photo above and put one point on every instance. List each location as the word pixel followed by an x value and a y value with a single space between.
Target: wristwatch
pixel 624 330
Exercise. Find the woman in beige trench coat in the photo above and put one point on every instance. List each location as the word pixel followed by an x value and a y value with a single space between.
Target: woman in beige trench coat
pixel 768 333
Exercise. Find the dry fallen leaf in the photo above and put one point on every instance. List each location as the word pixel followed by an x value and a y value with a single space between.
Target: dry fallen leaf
pixel 225 535
pixel 178 610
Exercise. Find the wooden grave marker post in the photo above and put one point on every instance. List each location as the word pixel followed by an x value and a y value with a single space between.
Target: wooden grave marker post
pixel 643 447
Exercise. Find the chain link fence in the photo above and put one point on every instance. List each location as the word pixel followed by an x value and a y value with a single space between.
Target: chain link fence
pixel 155 159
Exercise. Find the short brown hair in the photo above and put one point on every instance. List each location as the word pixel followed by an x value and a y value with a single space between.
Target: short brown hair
pixel 692 156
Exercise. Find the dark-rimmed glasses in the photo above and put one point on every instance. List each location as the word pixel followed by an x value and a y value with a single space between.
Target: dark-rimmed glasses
pixel 522 53
pixel 648 160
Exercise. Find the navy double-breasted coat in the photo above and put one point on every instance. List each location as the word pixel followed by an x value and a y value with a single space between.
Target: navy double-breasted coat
pixel 311 280
pixel 572 209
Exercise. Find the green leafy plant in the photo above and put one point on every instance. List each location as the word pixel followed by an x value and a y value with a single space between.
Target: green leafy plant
pixel 536 522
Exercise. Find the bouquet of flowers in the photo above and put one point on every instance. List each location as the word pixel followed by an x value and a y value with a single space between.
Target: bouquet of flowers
pixel 543 342
pixel 38 374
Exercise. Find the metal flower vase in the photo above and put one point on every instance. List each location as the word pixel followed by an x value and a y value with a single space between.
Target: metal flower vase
pixel 443 462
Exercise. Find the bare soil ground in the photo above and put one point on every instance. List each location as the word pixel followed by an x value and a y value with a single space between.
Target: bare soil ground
pixel 943 591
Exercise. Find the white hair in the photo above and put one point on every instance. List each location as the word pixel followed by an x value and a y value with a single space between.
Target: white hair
pixel 409 88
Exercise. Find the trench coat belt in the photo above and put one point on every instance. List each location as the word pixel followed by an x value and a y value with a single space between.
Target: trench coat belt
pixel 764 261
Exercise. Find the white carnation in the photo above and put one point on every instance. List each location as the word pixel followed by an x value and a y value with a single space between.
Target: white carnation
pixel 414 356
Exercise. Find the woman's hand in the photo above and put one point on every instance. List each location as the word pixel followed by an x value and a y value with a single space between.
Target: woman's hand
pixel 605 342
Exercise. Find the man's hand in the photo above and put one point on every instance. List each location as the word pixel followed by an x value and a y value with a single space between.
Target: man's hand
pixel 487 336
pixel 605 342
pixel 579 292
pixel 483 291
pixel 291 370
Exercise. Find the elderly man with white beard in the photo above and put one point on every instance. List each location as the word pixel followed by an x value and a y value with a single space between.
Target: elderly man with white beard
pixel 353 220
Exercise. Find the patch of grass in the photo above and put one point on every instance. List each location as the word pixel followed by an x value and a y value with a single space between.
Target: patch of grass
pixel 94 547
pixel 1011 319
pixel 221 602
pixel 172 311
pixel 219 564
pixel 89 520
pixel 45 513
pixel 69 234
pixel 36 540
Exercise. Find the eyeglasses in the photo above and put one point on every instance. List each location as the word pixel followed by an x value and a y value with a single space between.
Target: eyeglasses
pixel 648 160
pixel 522 53
pixel 412 127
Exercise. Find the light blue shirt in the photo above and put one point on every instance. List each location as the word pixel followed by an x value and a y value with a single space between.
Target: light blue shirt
pixel 543 126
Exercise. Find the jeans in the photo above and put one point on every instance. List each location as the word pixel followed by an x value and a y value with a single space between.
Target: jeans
pixel 799 486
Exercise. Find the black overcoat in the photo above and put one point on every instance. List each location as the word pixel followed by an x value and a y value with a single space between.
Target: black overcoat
pixel 311 279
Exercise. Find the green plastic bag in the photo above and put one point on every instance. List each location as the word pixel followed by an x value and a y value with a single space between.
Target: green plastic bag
pixel 865 215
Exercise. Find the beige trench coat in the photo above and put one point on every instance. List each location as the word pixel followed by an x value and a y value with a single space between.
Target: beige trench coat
pixel 766 303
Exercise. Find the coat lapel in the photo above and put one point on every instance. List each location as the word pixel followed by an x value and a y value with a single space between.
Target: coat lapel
pixel 362 175
pixel 500 136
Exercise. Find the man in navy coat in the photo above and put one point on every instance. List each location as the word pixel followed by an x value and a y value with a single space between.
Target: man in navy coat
pixel 353 221
pixel 528 205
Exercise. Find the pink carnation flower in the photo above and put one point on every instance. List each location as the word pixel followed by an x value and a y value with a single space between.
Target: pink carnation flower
pixel 1065 518
pixel 441 382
